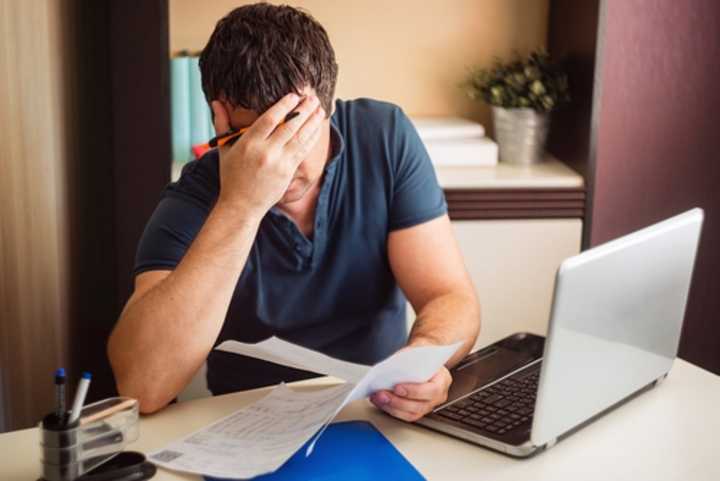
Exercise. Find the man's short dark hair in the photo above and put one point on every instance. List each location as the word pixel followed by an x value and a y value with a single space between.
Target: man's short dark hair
pixel 259 53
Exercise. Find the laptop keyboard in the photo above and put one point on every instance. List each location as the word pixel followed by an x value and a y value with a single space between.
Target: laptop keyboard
pixel 500 408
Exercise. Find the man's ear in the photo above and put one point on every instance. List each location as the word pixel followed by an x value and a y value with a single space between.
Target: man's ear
pixel 221 119
pixel 229 108
pixel 225 105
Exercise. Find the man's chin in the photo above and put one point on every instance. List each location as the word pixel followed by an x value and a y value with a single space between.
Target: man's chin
pixel 289 199
pixel 296 192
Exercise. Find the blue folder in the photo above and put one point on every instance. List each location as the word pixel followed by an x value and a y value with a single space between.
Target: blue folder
pixel 348 451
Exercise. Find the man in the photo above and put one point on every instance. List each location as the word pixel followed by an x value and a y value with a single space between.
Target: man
pixel 310 229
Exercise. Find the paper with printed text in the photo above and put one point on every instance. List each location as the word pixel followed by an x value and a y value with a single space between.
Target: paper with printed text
pixel 259 438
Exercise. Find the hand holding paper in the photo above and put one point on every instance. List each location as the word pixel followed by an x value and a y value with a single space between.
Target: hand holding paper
pixel 411 401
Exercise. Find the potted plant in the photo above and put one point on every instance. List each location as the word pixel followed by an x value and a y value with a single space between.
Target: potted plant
pixel 522 93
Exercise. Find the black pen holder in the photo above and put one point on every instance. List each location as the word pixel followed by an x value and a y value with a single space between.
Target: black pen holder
pixel 103 431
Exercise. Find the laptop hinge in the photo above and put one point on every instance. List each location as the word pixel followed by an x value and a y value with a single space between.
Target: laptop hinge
pixel 550 443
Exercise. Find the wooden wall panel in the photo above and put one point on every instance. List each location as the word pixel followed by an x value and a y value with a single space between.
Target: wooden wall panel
pixel 33 214
pixel 85 130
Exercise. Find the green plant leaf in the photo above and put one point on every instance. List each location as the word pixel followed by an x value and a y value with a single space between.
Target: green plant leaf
pixel 533 81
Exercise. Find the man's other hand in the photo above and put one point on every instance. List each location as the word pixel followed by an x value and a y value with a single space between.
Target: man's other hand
pixel 411 401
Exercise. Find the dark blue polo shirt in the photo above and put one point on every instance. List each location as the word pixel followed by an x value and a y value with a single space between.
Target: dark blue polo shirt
pixel 335 292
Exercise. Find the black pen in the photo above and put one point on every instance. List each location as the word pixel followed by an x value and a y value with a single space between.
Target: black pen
pixel 232 135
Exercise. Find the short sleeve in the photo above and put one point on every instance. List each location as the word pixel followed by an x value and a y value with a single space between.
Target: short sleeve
pixel 179 216
pixel 417 197
pixel 168 234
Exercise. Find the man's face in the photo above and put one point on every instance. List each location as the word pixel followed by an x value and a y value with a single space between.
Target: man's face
pixel 310 169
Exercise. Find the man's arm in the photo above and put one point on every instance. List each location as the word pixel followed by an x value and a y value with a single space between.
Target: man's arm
pixel 428 266
pixel 173 318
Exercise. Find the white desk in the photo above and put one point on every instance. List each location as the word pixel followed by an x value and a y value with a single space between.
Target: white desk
pixel 668 433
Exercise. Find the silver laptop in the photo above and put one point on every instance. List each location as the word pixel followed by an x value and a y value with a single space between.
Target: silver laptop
pixel 614 332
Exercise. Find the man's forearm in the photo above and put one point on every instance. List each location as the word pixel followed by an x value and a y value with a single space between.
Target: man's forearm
pixel 447 319
pixel 164 335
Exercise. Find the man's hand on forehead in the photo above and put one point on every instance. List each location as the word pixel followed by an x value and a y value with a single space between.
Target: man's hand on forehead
pixel 256 171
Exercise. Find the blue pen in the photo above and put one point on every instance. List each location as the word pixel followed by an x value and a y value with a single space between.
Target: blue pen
pixel 60 393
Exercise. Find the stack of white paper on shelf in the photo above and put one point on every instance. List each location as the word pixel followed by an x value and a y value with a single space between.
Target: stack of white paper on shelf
pixel 259 438
pixel 456 141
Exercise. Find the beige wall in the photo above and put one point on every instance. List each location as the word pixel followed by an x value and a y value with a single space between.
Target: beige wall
pixel 33 234
pixel 413 53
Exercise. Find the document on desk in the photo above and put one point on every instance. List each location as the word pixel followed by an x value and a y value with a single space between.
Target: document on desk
pixel 259 438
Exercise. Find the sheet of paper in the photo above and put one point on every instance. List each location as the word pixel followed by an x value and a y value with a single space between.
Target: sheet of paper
pixel 289 354
pixel 412 365
pixel 257 439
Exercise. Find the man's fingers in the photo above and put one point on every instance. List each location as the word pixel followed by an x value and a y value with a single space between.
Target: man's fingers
pixel 311 126
pixel 405 416
pixel 406 409
pixel 411 401
pixel 304 140
pixel 221 119
pixel 288 131
pixel 271 118
pixel 434 390
pixel 421 392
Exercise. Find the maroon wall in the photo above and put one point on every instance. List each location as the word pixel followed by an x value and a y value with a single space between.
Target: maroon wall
pixel 657 139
